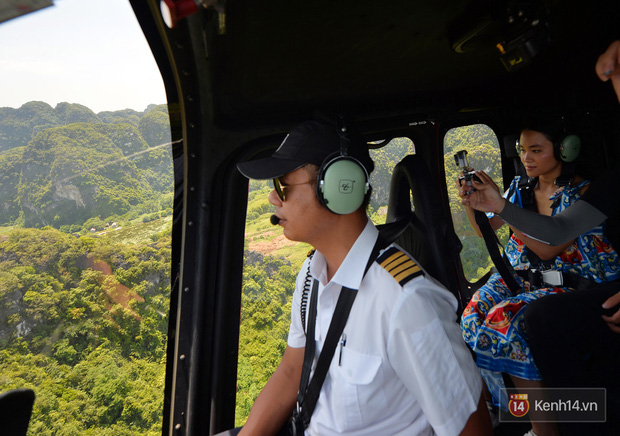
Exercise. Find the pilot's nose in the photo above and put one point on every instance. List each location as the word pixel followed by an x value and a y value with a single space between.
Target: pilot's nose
pixel 274 198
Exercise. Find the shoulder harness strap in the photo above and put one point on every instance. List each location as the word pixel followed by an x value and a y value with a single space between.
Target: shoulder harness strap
pixel 399 265
pixel 567 175
pixel 526 188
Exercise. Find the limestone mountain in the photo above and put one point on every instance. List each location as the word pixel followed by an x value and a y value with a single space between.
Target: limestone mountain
pixel 64 165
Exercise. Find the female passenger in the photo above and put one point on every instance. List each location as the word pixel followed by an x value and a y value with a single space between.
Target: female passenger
pixel 492 322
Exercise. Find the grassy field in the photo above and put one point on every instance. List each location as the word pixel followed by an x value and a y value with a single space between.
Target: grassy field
pixel 137 232
pixel 6 229
pixel 267 239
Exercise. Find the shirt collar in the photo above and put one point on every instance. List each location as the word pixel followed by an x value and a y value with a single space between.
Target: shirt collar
pixel 351 271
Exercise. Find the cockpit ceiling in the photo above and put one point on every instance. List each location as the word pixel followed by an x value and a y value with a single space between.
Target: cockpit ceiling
pixel 283 58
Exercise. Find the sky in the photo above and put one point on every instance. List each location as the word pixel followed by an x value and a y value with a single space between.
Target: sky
pixel 90 52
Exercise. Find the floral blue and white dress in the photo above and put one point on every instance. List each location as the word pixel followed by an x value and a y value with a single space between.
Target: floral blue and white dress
pixel 493 322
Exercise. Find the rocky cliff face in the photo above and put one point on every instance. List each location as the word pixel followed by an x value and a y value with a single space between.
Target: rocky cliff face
pixel 53 173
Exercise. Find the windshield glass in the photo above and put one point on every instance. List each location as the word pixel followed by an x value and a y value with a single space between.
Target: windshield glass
pixel 86 191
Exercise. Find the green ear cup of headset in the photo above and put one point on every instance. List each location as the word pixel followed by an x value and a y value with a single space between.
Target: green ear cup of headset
pixel 343 186
pixel 569 148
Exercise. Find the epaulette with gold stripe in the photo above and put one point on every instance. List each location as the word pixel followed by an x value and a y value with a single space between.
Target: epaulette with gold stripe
pixel 399 265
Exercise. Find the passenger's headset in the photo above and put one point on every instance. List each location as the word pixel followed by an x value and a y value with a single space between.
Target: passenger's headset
pixel 342 183
pixel 566 150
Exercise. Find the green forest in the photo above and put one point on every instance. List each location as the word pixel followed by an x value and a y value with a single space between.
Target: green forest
pixel 483 153
pixel 85 225
pixel 86 204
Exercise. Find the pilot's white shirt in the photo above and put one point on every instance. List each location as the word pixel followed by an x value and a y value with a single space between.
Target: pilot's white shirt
pixel 404 369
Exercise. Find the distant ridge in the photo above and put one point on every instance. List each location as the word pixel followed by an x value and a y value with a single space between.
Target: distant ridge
pixel 63 165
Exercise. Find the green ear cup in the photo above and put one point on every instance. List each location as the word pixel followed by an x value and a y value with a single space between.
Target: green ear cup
pixel 343 186
pixel 569 148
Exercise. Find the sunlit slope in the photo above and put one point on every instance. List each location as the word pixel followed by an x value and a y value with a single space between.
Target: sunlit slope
pixel 66 165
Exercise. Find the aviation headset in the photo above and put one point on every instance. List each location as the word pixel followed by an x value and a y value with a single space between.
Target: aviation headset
pixel 342 181
pixel 565 150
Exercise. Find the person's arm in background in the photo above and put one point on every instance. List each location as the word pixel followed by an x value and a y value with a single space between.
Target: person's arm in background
pixel 613 320
pixel 554 230
pixel 607 66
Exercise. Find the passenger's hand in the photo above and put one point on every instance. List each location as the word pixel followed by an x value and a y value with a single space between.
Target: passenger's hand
pixel 607 66
pixel 486 197
pixel 462 186
pixel 613 321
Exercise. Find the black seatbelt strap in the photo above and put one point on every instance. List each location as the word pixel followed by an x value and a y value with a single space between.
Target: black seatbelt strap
pixel 341 313
pixel 308 394
pixel 501 264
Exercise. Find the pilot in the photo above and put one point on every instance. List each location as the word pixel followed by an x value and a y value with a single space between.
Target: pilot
pixel 400 366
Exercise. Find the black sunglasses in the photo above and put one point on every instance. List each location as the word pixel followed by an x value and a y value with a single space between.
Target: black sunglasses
pixel 280 187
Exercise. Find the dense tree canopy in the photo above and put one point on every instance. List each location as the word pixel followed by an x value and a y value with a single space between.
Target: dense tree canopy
pixel 483 153
pixel 92 316
pixel 83 316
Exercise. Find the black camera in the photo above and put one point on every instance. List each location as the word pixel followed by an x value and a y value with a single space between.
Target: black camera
pixel 468 172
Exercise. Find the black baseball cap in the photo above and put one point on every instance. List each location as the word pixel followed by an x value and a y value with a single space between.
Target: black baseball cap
pixel 311 142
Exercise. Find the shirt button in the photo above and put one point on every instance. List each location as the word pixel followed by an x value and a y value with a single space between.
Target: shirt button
pixel 350 372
